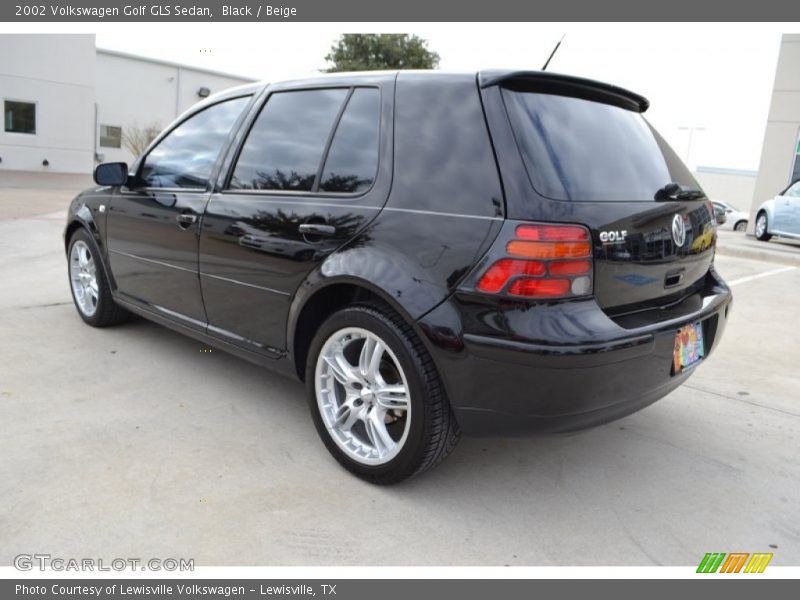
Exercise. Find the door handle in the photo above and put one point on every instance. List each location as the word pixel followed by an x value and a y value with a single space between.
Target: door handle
pixel 316 229
pixel 185 220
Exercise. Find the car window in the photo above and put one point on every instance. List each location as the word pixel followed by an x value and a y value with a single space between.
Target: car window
pixel 352 160
pixel 794 190
pixel 284 148
pixel 186 156
pixel 581 150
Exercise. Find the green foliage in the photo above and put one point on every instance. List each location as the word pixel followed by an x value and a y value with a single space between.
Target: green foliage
pixel 376 52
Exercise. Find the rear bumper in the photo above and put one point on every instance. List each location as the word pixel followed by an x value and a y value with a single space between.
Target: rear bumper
pixel 562 367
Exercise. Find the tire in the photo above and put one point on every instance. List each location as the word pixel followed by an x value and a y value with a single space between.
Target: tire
pixel 762 226
pixel 740 226
pixel 88 283
pixel 424 433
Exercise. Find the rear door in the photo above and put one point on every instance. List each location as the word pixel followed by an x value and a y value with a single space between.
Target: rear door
pixel 304 181
pixel 589 157
pixel 152 225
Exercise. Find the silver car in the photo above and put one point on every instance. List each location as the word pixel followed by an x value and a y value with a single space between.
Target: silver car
pixel 780 215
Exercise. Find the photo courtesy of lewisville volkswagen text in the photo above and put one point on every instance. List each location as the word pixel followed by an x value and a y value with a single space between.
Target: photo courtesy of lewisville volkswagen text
pixel 384 308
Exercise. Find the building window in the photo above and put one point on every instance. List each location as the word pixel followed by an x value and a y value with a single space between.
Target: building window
pixel 110 136
pixel 19 117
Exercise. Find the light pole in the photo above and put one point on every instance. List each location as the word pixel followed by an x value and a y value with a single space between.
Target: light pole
pixel 691 131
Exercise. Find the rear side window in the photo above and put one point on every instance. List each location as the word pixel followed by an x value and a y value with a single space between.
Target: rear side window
pixel 352 160
pixel 576 149
pixel 186 156
pixel 285 146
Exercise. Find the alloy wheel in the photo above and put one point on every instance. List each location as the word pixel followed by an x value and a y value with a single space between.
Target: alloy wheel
pixel 761 225
pixel 363 396
pixel 83 276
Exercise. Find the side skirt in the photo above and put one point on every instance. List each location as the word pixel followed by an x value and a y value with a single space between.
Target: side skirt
pixel 278 364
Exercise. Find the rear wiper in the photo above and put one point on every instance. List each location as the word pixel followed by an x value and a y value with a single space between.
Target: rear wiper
pixel 675 191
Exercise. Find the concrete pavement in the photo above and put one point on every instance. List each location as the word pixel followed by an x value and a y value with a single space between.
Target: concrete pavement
pixel 132 442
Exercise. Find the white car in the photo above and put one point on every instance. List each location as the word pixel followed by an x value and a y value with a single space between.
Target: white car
pixel 736 220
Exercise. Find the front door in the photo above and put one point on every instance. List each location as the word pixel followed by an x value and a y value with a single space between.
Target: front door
pixel 791 206
pixel 304 183
pixel 152 225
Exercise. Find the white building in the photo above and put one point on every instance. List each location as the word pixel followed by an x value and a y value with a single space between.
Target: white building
pixel 67 104
pixel 734 186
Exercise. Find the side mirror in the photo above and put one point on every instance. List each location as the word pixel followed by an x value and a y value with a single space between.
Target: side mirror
pixel 113 174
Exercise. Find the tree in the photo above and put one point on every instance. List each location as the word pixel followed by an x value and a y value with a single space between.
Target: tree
pixel 380 51
pixel 137 138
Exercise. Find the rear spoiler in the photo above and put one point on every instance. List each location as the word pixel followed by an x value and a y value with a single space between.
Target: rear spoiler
pixel 564 85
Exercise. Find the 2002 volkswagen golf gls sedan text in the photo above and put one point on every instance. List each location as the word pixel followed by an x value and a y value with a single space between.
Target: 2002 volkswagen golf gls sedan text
pixel 431 253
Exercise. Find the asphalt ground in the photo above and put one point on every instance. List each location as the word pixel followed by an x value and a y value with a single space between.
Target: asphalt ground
pixel 134 442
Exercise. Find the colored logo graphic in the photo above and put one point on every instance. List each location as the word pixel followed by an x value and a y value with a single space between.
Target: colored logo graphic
pixel 688 347
pixel 735 562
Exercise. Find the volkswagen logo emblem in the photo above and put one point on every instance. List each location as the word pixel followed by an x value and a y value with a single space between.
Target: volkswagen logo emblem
pixel 678 230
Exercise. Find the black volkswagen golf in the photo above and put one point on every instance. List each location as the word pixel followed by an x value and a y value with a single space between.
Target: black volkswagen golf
pixel 431 253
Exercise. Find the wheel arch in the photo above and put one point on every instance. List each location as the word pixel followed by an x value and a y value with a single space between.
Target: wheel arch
pixel 768 209
pixel 763 211
pixel 82 217
pixel 319 302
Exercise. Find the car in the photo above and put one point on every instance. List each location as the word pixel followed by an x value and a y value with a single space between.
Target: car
pixel 780 215
pixel 719 214
pixel 735 219
pixel 431 253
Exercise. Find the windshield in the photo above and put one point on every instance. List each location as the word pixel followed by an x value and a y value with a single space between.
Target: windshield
pixel 582 150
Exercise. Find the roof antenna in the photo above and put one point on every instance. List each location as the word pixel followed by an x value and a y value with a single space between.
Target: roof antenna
pixel 553 53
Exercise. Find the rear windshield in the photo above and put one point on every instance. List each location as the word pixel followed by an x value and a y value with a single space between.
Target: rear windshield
pixel 582 150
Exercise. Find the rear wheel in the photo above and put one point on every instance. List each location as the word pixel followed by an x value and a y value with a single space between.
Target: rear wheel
pixel 740 226
pixel 89 285
pixel 375 396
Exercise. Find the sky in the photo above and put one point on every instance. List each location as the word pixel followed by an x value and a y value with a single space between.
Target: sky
pixel 717 77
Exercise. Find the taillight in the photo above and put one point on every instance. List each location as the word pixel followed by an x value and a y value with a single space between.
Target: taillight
pixel 542 261
pixel 500 272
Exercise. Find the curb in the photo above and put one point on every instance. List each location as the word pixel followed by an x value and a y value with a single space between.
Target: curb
pixel 774 256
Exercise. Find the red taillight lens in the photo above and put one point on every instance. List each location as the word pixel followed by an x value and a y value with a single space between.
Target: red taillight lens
pixel 500 272
pixel 570 267
pixel 539 288
pixel 552 233
pixel 562 264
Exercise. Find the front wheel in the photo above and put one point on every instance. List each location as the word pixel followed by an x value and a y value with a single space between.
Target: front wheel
pixel 761 227
pixel 375 396
pixel 89 285
pixel 740 226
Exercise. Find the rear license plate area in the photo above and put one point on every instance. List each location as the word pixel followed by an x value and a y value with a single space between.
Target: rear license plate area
pixel 689 348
